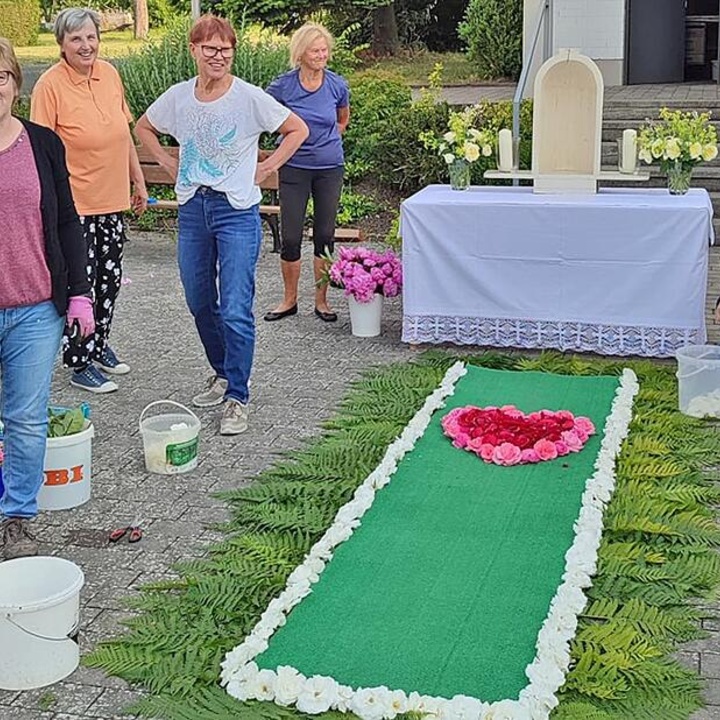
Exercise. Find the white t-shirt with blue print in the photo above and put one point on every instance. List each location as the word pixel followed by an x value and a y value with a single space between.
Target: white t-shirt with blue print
pixel 219 139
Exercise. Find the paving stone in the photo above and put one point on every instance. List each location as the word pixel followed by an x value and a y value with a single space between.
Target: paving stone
pixel 67 697
pixel 710 665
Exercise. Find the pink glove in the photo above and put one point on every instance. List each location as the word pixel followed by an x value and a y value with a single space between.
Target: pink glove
pixel 80 308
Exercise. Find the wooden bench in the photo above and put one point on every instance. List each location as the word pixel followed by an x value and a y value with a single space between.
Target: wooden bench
pixel 155 175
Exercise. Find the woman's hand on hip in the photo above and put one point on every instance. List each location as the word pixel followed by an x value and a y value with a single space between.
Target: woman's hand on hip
pixel 262 172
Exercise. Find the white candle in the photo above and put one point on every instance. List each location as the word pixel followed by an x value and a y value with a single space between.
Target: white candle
pixel 629 151
pixel 505 150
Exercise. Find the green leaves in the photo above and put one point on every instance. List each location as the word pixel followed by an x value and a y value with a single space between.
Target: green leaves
pixel 66 421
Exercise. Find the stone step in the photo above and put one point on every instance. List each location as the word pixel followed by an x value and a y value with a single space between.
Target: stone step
pixel 707 176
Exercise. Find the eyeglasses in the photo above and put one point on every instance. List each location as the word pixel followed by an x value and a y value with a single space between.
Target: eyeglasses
pixel 5 76
pixel 209 51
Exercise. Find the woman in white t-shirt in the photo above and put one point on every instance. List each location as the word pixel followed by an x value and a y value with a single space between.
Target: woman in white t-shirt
pixel 217 120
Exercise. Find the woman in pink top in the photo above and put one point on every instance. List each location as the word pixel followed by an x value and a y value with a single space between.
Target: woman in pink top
pixel 43 285
pixel 82 99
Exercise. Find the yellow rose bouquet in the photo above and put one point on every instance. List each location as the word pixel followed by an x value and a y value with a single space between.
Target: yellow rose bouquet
pixel 678 141
pixel 461 145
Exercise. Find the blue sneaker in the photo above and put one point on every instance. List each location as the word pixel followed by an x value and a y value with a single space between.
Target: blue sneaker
pixel 93 380
pixel 109 362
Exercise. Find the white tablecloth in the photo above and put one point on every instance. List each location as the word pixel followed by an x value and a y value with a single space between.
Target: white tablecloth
pixel 623 272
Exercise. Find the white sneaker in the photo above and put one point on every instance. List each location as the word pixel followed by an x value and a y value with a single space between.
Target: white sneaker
pixel 214 393
pixel 234 419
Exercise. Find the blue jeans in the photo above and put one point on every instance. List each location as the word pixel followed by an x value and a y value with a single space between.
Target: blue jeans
pixel 218 248
pixel 29 342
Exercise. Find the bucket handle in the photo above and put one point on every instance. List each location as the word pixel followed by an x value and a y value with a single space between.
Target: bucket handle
pixel 167 402
pixel 682 376
pixel 70 636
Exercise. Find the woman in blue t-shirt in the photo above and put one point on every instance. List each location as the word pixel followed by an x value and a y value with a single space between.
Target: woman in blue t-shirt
pixel 322 99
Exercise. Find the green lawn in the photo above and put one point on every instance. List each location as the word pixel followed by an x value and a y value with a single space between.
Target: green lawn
pixel 113 44
pixel 415 67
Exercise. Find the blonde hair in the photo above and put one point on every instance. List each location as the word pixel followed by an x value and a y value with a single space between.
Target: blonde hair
pixel 304 37
pixel 9 60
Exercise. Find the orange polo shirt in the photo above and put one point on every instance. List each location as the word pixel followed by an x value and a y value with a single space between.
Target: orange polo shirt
pixel 92 118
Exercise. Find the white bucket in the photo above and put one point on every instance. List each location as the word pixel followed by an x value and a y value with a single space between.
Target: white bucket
pixel 365 318
pixel 699 380
pixel 68 470
pixel 39 619
pixel 170 441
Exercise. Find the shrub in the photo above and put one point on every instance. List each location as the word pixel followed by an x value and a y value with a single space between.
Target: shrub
pixel 20 21
pixel 402 161
pixel 493 31
pixel 374 99
pixel 147 73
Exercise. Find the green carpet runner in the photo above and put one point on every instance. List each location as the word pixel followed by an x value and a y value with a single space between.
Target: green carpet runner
pixel 444 587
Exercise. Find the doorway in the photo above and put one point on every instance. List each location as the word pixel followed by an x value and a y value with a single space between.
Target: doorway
pixel 672 41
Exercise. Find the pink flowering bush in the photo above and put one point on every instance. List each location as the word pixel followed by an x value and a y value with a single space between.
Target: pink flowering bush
pixel 363 273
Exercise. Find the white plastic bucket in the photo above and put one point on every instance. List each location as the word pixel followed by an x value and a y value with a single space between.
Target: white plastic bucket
pixel 698 377
pixel 68 470
pixel 170 441
pixel 39 620
pixel 365 318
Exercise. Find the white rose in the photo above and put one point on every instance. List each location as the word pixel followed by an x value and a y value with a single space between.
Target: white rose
pixel 695 150
pixel 318 695
pixel 709 152
pixel 449 158
pixel 503 710
pixel 472 152
pixel 371 703
pixel 398 703
pixel 423 704
pixel 487 150
pixel 288 685
pixel 657 148
pixel 449 136
pixel 672 149
pixel 262 686
pixel 338 534
pixel 345 695
pixel 645 155
pixel 462 707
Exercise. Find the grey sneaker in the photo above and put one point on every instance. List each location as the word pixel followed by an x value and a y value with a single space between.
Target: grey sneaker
pixel 234 419
pixel 17 540
pixel 213 394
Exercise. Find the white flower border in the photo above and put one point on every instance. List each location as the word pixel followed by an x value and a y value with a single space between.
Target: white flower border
pixel 546 673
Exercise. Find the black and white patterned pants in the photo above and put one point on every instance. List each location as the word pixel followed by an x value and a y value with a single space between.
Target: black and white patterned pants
pixel 105 237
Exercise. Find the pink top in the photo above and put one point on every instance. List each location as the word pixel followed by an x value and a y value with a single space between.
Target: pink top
pixel 24 274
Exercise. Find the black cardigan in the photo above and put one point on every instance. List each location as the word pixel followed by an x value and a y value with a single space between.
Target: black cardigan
pixel 65 249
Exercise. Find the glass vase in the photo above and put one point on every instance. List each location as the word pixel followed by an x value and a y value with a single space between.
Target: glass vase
pixel 678 177
pixel 459 170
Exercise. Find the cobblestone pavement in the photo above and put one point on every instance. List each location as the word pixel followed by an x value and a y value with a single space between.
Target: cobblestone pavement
pixel 302 369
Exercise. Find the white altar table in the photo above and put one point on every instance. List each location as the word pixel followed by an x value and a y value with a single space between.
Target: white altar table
pixel 622 272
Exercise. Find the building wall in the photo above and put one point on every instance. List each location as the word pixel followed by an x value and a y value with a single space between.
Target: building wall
pixel 594 27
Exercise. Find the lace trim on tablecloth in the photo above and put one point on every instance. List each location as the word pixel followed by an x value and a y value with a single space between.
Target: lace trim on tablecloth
pixel 575 336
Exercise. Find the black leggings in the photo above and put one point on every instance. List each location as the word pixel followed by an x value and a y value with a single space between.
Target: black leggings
pixel 296 187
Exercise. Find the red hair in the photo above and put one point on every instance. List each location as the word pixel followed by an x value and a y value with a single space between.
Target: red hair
pixel 208 26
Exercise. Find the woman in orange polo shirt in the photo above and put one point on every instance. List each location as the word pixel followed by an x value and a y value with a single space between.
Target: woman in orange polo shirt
pixel 82 99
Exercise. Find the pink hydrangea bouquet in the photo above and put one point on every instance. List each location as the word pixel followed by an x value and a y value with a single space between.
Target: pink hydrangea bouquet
pixel 363 273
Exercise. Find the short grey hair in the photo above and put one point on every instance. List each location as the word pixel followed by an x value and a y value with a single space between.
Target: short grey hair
pixel 72 19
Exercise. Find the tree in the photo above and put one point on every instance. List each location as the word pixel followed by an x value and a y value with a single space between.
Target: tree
pixel 385 39
pixel 141 19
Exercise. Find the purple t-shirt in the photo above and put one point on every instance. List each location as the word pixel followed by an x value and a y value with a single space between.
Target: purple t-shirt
pixel 318 108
